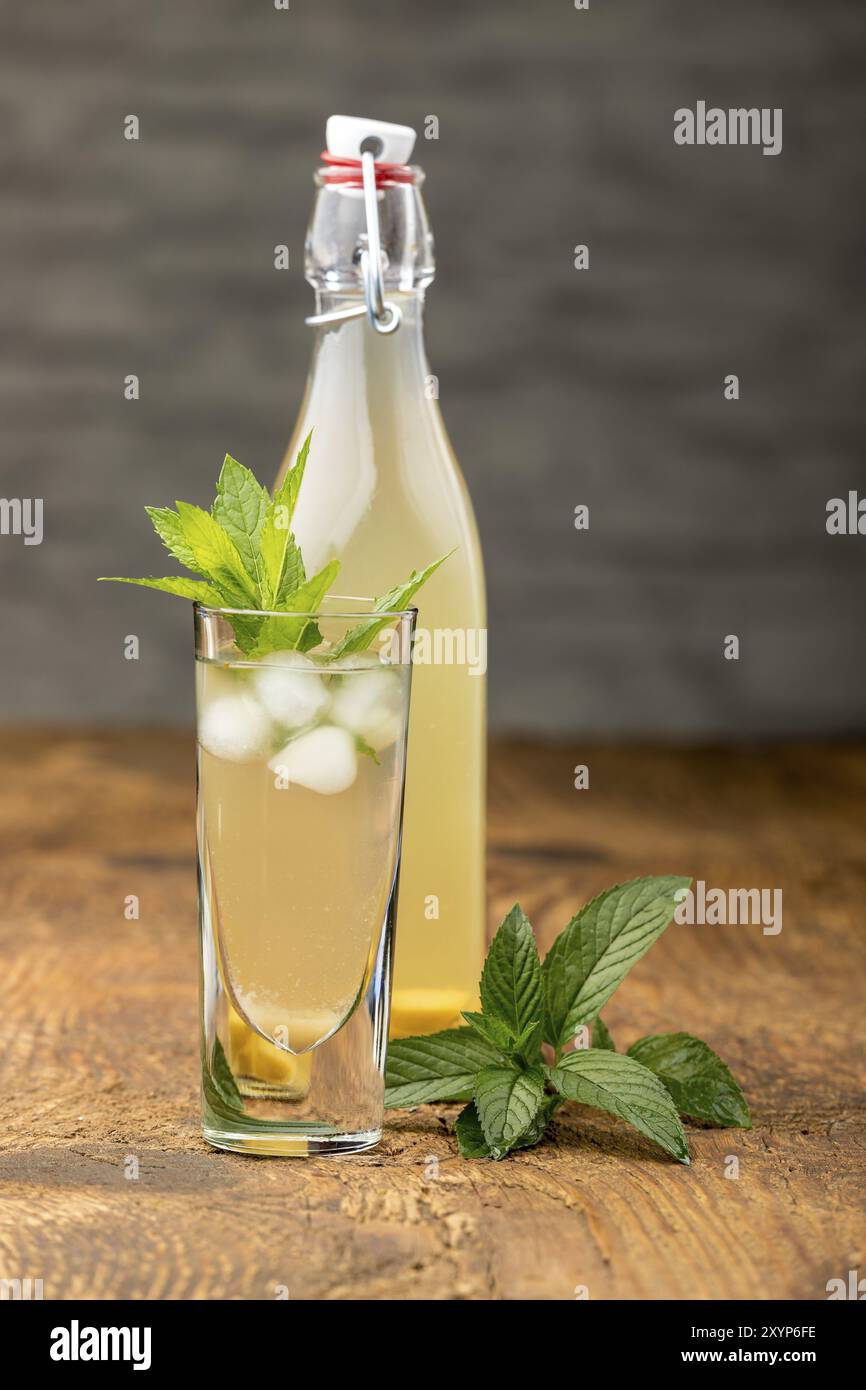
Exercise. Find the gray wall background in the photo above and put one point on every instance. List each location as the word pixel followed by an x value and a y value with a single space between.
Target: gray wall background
pixel 559 387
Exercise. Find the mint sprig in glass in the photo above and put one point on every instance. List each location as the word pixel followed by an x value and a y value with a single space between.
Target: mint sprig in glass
pixel 246 561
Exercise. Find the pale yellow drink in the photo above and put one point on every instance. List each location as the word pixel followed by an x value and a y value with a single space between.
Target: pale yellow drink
pixel 300 844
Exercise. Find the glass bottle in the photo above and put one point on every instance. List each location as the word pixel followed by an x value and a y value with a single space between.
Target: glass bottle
pixel 384 493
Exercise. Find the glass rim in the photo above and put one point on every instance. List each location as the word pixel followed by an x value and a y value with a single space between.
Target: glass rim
pixel 358 613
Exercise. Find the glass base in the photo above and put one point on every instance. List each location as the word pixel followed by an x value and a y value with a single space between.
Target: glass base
pixel 272 1143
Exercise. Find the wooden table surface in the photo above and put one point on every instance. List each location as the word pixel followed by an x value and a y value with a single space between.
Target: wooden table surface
pixel 99 1063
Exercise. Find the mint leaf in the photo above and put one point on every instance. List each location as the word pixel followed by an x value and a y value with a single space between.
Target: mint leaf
pixel 507 1102
pixel 598 948
pixel 623 1087
pixel 278 633
pixel 216 557
pixel 492 1029
pixel 280 564
pixel 363 748
pixel 169 528
pixel 358 638
pixel 528 1041
pixel 240 508
pixel 177 584
pixel 537 1129
pixel 526 1044
pixel 222 1079
pixel 441 1066
pixel 511 984
pixel 280 560
pixel 286 495
pixel 601 1038
pixel 699 1082
pixel 470 1136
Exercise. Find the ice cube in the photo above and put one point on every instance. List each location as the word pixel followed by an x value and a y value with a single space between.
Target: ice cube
pixel 371 705
pixel 324 760
pixel 234 727
pixel 289 688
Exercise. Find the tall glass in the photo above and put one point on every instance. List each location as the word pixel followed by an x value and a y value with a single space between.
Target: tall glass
pixel 301 770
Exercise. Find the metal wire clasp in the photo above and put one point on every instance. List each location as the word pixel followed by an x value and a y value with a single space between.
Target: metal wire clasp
pixel 383 316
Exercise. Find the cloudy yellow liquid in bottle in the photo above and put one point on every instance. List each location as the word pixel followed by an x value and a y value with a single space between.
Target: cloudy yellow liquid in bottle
pixel 383 492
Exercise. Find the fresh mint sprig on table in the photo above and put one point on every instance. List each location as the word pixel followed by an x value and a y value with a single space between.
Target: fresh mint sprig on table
pixel 510 1062
pixel 244 555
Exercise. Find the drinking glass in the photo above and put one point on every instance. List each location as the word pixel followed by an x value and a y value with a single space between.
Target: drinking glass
pixel 301 770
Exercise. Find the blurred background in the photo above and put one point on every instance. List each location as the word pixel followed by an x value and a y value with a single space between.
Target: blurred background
pixel 559 387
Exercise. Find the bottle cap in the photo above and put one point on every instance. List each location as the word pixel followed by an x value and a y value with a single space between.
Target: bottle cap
pixel 344 136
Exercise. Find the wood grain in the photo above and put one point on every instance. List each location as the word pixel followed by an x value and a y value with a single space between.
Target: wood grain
pixel 99 1049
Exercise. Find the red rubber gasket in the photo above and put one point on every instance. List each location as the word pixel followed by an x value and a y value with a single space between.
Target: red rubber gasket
pixel 348 171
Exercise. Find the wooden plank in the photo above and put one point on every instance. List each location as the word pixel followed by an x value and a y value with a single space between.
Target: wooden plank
pixel 98 1062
